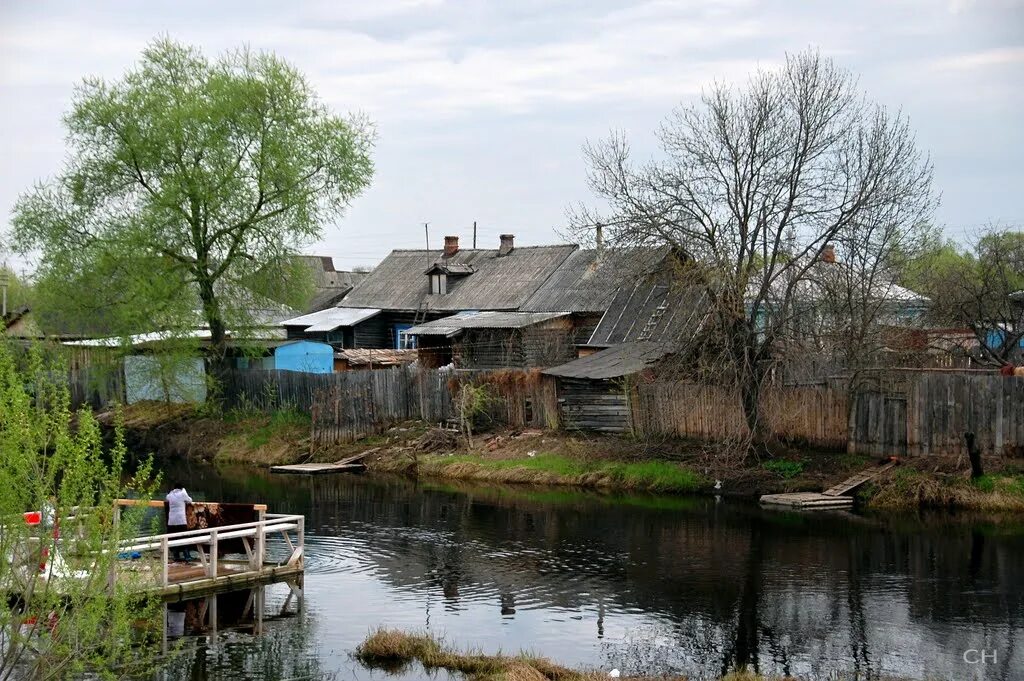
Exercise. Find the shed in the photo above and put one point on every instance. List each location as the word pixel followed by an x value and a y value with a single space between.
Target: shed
pixel 487 340
pixel 308 357
pixel 591 390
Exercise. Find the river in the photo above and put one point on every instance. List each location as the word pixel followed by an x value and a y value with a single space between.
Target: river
pixel 643 584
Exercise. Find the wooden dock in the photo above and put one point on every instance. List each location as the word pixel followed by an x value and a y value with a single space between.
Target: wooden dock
pixel 352 464
pixel 833 497
pixel 153 570
pixel 318 468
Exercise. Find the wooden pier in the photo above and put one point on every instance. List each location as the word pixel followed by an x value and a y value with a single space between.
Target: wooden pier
pixel 152 570
pixel 833 497
pixel 352 464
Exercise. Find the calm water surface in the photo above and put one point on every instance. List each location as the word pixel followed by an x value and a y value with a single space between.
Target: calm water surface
pixel 642 584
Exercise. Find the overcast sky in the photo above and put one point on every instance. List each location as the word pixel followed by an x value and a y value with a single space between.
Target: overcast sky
pixel 482 107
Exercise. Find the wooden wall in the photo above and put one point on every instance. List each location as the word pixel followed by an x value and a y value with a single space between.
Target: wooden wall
pixel 814 416
pixel 347 406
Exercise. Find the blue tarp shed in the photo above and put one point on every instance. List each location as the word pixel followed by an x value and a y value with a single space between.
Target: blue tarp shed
pixel 307 356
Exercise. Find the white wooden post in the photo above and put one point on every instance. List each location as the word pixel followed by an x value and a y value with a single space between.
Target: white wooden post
pixel 213 555
pixel 261 545
pixel 164 558
pixel 302 533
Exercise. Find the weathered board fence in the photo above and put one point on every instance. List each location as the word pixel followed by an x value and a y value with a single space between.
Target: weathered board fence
pixel 936 409
pixel 815 416
pixel 96 387
pixel 921 413
pixel 348 405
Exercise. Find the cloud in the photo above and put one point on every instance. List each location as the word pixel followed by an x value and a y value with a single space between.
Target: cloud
pixel 986 59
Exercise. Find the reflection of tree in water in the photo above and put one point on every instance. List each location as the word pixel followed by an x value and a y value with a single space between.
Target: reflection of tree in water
pixel 719 586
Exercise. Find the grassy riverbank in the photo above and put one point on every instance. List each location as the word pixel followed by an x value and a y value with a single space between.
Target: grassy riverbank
pixel 393 650
pixel 557 458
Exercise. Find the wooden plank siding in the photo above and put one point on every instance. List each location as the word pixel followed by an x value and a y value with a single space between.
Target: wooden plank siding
pixel 814 416
pixel 349 405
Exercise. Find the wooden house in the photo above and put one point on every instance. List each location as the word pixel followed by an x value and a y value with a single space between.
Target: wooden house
pixel 551 299
pixel 491 340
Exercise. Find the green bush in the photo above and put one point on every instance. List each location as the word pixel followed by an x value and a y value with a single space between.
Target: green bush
pixel 787 469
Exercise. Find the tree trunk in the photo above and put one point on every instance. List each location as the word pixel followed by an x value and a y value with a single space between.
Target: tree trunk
pixel 974 454
pixel 216 356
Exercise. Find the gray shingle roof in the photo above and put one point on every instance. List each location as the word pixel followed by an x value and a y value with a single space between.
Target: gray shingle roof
pixel 451 326
pixel 497 283
pixel 588 279
pixel 649 311
pixel 615 362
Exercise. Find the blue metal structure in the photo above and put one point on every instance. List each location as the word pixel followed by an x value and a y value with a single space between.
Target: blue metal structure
pixel 306 356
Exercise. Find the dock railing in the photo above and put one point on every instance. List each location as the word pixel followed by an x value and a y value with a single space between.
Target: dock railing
pixel 207 541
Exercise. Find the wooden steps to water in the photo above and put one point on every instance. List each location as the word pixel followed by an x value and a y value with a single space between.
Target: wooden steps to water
pixel 833 497
pixel 351 464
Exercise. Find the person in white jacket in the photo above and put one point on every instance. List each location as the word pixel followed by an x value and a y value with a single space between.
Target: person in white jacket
pixel 176 520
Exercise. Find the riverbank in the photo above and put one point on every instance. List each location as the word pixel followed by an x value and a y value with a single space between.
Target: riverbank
pixel 393 651
pixel 558 458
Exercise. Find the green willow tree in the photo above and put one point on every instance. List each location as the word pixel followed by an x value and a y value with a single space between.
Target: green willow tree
pixel 189 184
pixel 60 618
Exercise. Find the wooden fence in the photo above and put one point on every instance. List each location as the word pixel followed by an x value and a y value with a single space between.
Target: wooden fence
pixel 348 405
pixel 814 416
pixel 96 387
pixel 936 409
pixel 923 413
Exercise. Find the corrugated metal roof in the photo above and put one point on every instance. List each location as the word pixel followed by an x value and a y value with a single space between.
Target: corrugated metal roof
pixel 451 326
pixel 497 283
pixel 588 279
pixel 614 362
pixel 331 318
pixel 650 310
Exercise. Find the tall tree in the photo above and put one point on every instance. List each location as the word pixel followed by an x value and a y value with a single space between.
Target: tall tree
pixel 981 288
pixel 752 185
pixel 187 179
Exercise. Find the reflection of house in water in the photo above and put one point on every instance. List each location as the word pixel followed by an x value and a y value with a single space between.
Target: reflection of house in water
pixel 718 585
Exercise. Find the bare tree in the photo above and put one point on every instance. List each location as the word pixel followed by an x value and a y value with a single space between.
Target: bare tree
pixel 754 184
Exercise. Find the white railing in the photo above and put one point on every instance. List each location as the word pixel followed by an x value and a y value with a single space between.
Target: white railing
pixel 253 536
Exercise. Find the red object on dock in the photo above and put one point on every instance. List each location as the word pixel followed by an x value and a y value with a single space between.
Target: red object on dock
pixel 33 517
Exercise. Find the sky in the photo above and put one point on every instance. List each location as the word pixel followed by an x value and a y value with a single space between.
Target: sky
pixel 482 108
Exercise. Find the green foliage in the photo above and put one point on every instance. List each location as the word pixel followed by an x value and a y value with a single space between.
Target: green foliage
pixel 786 469
pixel 190 183
pixel 71 622
pixel 279 420
pixel 657 476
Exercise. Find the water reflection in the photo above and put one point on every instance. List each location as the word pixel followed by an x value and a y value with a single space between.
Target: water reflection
pixel 646 584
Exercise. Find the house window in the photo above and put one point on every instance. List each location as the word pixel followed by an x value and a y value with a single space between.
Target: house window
pixel 403 341
pixel 439 284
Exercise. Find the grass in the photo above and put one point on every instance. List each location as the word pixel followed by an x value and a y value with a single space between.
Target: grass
pixel 279 421
pixel 649 476
pixel 785 468
pixel 395 651
pixel 908 488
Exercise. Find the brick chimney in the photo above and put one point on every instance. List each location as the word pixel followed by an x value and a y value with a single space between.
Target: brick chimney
pixel 507 244
pixel 828 253
pixel 451 246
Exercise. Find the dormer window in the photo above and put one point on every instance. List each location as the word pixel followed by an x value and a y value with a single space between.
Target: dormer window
pixel 441 273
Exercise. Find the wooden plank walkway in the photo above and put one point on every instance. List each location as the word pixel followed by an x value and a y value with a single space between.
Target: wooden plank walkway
pixel 806 500
pixel 318 468
pixel 856 481
pixel 350 465
pixel 833 497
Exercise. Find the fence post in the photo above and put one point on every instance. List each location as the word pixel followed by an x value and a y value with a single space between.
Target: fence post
pixel 164 557
pixel 213 553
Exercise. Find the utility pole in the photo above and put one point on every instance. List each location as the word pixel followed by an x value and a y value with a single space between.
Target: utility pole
pixel 3 287
pixel 426 235
pixel 474 235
